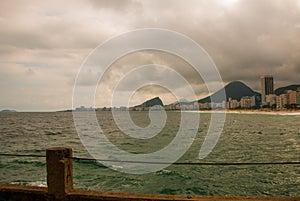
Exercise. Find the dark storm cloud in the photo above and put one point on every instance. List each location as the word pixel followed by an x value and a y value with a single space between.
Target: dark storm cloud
pixel 245 38
pixel 255 38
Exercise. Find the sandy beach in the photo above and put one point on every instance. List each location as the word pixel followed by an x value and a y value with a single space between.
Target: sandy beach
pixel 268 112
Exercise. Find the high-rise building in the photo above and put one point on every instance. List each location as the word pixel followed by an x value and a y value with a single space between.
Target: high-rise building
pixel 267 87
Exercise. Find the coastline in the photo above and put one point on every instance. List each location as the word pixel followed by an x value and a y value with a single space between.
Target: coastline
pixel 271 112
pixel 267 112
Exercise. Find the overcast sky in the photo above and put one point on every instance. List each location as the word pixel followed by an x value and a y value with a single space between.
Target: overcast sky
pixel 44 43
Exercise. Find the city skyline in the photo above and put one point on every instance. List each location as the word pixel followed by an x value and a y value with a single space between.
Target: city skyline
pixel 43 45
pixel 271 100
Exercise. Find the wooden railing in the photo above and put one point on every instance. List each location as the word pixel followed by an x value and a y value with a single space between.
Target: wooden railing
pixel 60 187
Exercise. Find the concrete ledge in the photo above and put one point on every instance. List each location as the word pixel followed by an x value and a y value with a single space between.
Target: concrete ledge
pixel 14 192
pixel 96 196
pixel 28 193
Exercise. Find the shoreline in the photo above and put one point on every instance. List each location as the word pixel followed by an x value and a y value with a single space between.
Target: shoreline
pixel 269 112
pixel 272 112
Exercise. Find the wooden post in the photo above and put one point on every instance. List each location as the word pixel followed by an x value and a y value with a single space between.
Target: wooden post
pixel 59 172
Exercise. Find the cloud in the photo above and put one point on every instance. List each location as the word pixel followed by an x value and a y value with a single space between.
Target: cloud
pixel 43 44
pixel 119 6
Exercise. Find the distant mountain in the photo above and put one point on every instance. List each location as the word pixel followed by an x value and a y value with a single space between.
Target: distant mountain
pixel 6 110
pixel 151 102
pixel 235 90
pixel 182 101
pixel 282 90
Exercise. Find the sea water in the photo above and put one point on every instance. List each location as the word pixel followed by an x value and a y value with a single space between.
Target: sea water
pixel 245 138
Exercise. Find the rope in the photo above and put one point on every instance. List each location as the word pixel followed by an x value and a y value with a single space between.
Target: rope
pixel 23 155
pixel 165 163
pixel 192 163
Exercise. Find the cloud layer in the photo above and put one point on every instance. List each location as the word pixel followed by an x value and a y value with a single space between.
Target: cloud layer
pixel 43 44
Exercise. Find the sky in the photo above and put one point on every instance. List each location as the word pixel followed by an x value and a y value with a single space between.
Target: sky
pixel 44 43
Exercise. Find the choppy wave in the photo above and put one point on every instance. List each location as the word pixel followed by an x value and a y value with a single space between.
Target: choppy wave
pixel 30 162
pixel 34 183
pixel 245 138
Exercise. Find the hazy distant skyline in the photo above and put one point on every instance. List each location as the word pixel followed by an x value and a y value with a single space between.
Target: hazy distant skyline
pixel 43 43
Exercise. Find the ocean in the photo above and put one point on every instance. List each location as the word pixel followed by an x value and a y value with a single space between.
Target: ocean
pixel 245 138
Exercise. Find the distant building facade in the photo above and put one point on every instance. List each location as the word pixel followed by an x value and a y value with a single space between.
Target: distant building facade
pixel 271 100
pixel 291 97
pixel 267 87
pixel 232 103
pixel 247 102
pixel 298 96
pixel 84 109
pixel 281 101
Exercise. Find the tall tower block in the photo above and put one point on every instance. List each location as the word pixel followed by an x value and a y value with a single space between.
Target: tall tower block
pixel 267 87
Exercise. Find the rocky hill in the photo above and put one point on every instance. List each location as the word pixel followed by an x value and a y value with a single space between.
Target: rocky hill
pixel 151 102
pixel 235 90
pixel 282 90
